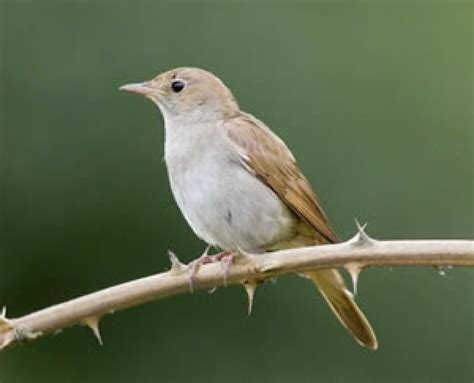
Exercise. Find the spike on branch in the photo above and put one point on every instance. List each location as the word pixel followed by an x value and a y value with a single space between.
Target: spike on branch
pixel 354 270
pixel 10 333
pixel 250 289
pixel 176 266
pixel 6 330
pixel 361 238
pixel 93 324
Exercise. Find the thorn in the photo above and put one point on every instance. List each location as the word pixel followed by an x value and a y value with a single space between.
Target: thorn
pixel 360 228
pixel 361 238
pixel 250 288
pixel 93 324
pixel 354 270
pixel 176 266
pixel 212 291
pixel 442 270
pixel 10 333
pixel 5 323
pixel 7 332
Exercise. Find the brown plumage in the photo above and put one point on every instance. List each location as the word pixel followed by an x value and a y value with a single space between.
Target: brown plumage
pixel 267 156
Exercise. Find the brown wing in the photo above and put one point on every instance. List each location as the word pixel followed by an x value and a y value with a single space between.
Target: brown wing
pixel 267 156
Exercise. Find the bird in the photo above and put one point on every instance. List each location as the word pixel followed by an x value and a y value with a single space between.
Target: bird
pixel 238 185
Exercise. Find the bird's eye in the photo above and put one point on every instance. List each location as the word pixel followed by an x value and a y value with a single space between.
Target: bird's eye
pixel 177 86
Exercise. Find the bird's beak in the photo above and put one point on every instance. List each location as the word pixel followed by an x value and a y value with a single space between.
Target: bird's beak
pixel 145 88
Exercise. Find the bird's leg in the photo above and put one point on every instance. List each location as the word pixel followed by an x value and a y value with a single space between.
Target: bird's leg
pixel 226 258
pixel 193 266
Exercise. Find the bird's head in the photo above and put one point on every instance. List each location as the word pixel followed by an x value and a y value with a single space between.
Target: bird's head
pixel 187 93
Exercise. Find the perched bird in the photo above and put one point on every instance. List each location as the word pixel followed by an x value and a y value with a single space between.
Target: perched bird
pixel 238 185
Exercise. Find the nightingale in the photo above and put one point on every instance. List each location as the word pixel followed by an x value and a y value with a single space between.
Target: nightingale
pixel 237 183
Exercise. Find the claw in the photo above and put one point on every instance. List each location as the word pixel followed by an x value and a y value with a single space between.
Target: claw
pixel 205 252
pixel 194 266
pixel 226 259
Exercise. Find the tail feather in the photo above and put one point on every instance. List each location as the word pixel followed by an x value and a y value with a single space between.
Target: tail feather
pixel 332 287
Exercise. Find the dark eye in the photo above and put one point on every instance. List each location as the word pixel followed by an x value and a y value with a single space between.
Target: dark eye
pixel 177 86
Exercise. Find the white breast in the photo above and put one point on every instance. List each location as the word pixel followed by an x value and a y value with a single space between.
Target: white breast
pixel 222 202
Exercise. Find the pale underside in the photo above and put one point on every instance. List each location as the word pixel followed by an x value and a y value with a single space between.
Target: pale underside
pixel 239 193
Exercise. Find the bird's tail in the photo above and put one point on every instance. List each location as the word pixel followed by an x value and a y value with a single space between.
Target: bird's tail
pixel 332 287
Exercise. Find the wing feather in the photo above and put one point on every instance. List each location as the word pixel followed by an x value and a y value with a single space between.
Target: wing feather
pixel 263 153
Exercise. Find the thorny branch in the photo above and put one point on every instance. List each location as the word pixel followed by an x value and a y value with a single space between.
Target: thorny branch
pixel 248 270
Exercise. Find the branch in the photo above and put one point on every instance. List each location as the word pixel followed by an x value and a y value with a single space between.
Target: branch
pixel 248 269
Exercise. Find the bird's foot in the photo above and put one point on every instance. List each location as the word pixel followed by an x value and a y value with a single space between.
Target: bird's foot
pixel 225 258
pixel 193 266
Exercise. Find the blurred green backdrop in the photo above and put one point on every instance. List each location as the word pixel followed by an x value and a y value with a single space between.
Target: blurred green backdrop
pixel 374 98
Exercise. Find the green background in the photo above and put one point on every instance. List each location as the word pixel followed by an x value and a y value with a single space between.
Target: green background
pixel 374 98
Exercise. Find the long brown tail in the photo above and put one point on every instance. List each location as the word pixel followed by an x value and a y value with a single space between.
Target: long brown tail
pixel 331 285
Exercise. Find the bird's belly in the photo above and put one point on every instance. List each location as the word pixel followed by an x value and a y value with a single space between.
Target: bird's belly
pixel 227 206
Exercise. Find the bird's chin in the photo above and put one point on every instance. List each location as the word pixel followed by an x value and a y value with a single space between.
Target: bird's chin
pixel 160 104
pixel 155 99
